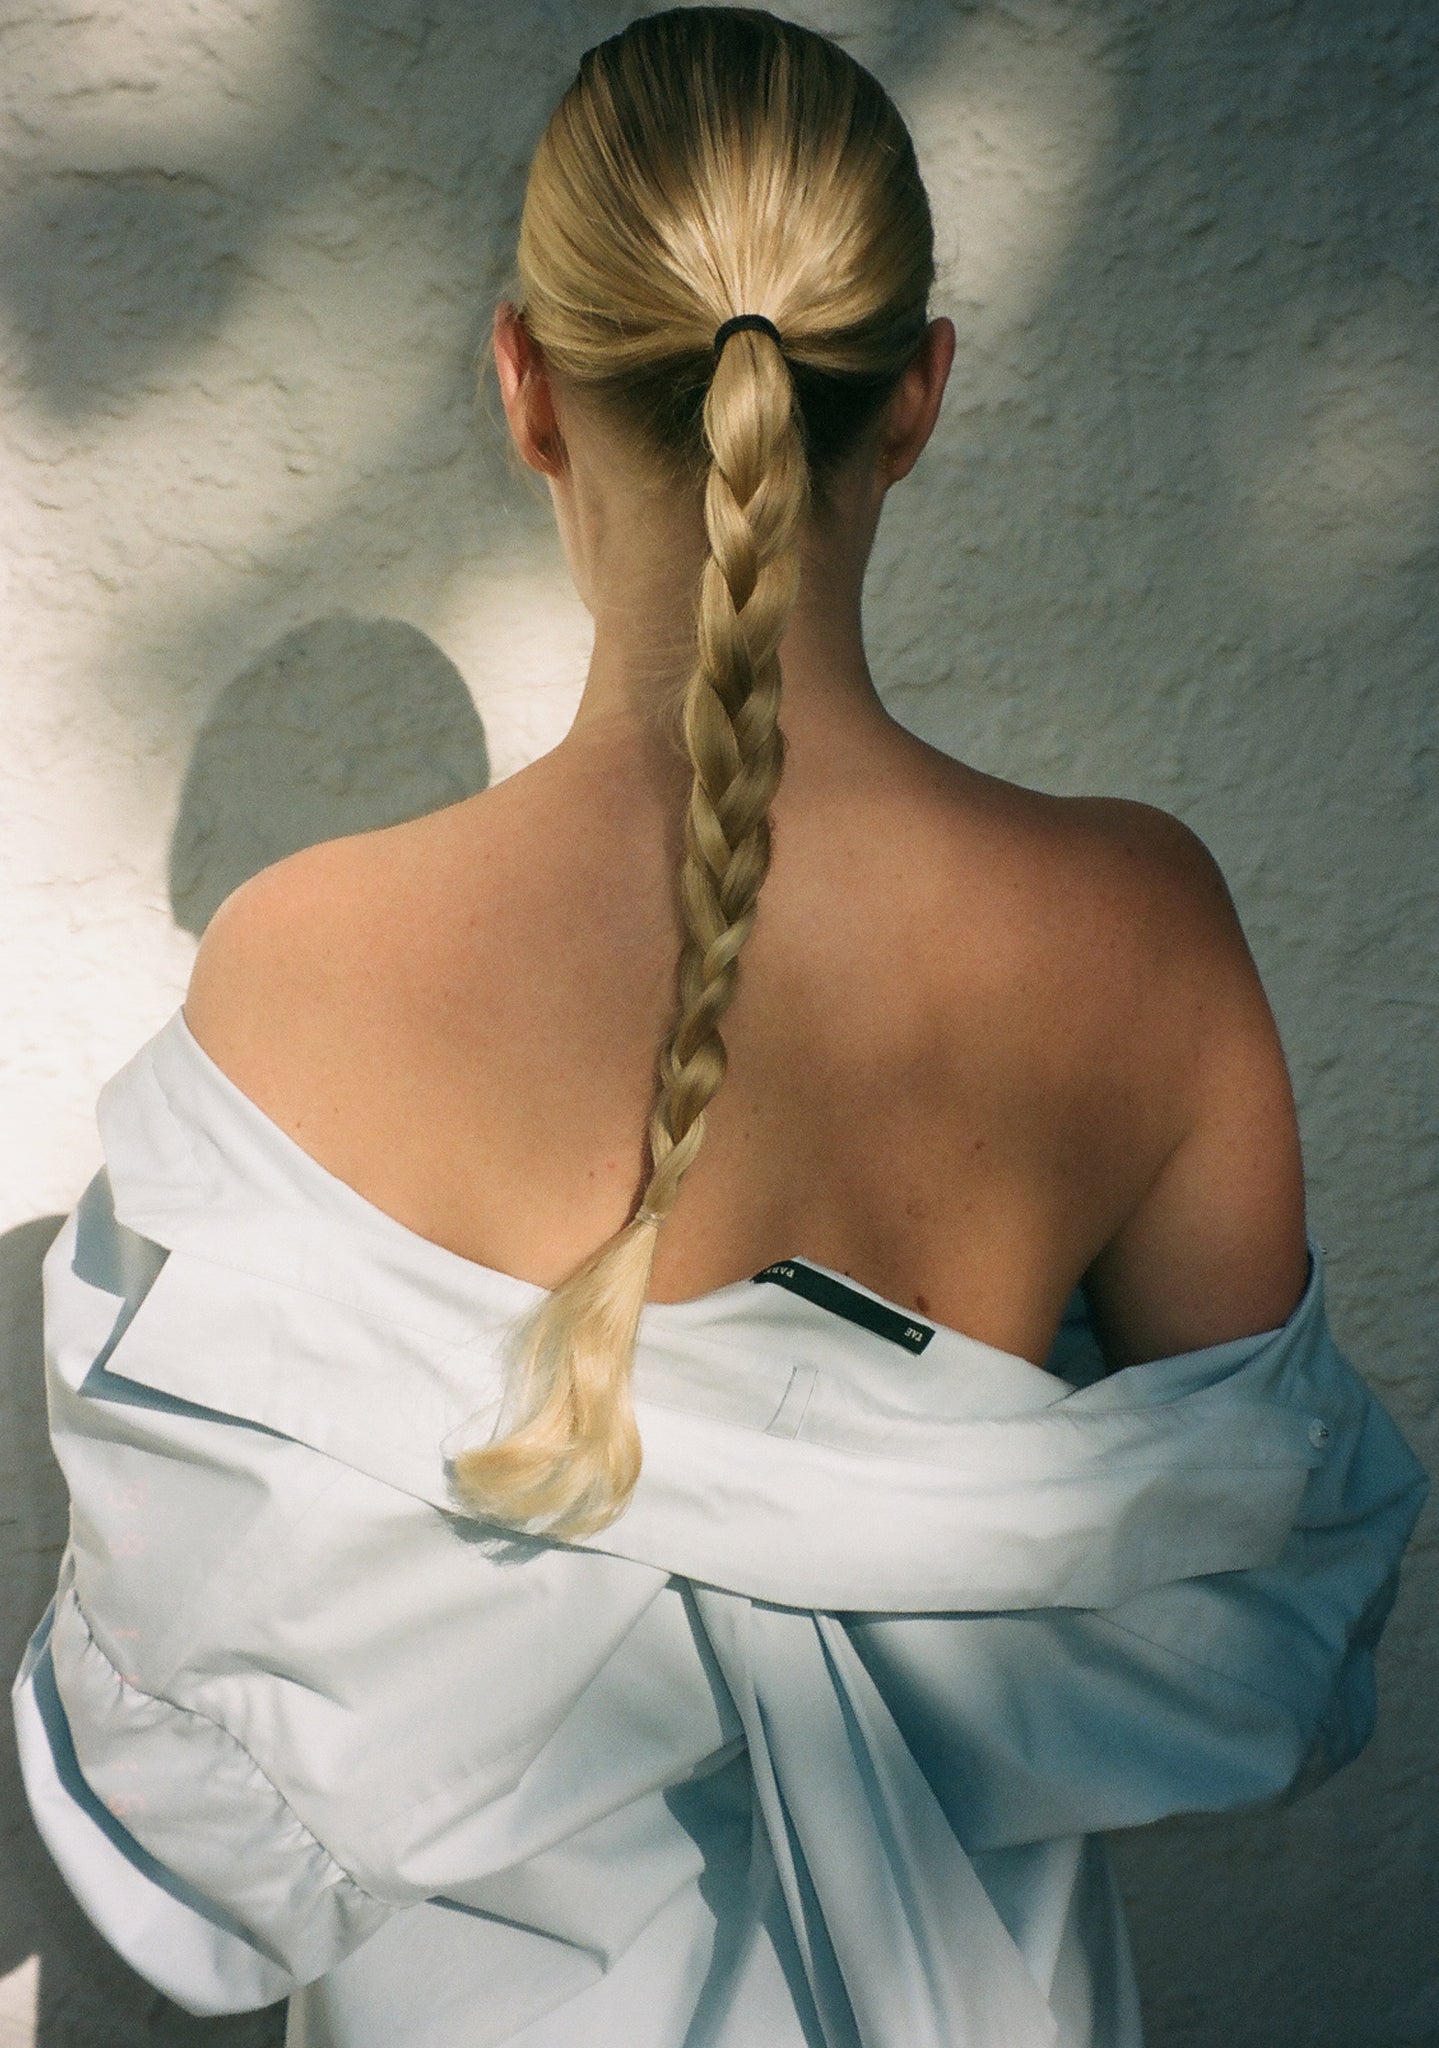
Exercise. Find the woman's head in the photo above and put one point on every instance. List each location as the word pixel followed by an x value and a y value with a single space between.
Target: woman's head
pixel 706 163
pixel 715 161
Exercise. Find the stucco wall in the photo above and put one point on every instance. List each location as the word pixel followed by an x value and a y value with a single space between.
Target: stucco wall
pixel 266 577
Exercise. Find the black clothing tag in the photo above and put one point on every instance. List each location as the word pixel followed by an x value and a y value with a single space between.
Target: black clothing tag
pixel 849 1303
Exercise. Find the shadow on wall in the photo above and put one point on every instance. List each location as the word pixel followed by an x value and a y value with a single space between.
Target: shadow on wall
pixel 342 726
pixel 170 273
pixel 80 1976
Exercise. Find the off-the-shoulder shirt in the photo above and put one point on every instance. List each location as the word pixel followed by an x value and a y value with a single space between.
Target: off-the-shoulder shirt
pixel 814 1747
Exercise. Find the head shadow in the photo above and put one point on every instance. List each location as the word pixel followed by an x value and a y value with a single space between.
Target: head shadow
pixel 342 726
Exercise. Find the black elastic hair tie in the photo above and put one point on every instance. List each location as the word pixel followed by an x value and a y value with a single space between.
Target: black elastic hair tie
pixel 755 320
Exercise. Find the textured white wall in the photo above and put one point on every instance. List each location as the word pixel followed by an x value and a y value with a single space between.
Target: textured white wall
pixel 266 577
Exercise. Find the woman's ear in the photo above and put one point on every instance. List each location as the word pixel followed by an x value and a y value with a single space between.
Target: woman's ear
pixel 914 408
pixel 526 393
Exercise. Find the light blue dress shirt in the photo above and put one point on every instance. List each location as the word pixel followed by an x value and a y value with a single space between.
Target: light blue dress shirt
pixel 813 1748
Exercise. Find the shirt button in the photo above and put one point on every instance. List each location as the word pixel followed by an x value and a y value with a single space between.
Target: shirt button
pixel 1318 1433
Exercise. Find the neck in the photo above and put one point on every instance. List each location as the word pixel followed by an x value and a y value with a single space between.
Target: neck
pixel 642 599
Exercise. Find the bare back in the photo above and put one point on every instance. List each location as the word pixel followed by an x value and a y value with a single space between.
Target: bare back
pixel 986 1043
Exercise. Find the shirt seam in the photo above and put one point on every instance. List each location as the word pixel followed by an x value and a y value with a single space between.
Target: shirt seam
pixel 1272 1699
pixel 157 1699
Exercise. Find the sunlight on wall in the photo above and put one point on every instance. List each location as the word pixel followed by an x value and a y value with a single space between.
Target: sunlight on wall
pixel 1010 131
pixel 522 639
pixel 168 85
pixel 1332 446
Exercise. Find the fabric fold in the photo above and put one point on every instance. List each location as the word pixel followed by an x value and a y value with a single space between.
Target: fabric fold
pixel 874 1876
pixel 757 1762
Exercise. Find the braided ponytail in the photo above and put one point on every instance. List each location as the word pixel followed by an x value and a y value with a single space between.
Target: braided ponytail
pixel 756 495
pixel 741 165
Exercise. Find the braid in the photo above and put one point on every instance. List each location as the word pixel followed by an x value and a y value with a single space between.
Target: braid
pixel 755 499
pixel 707 163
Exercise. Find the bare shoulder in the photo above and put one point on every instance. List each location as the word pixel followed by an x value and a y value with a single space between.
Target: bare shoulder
pixel 273 936
pixel 1158 926
pixel 1215 1248
pixel 1109 888
pixel 1153 880
pixel 1150 851
pixel 299 956
pixel 1167 1042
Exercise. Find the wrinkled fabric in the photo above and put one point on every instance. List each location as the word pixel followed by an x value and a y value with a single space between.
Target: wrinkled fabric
pixel 812 1748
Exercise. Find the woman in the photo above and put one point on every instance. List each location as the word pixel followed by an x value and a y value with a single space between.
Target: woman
pixel 491 1618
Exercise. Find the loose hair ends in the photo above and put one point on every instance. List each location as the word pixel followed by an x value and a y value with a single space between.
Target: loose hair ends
pixel 567 1463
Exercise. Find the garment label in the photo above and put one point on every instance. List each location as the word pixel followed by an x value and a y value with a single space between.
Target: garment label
pixel 848 1302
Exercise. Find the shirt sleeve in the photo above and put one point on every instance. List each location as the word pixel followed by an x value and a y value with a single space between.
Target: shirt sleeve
pixel 277 1702
pixel 168 1928
pixel 1224 1690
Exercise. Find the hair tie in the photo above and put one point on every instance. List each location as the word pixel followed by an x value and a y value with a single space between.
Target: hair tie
pixel 755 320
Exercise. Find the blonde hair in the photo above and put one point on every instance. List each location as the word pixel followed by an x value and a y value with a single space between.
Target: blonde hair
pixel 706 162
